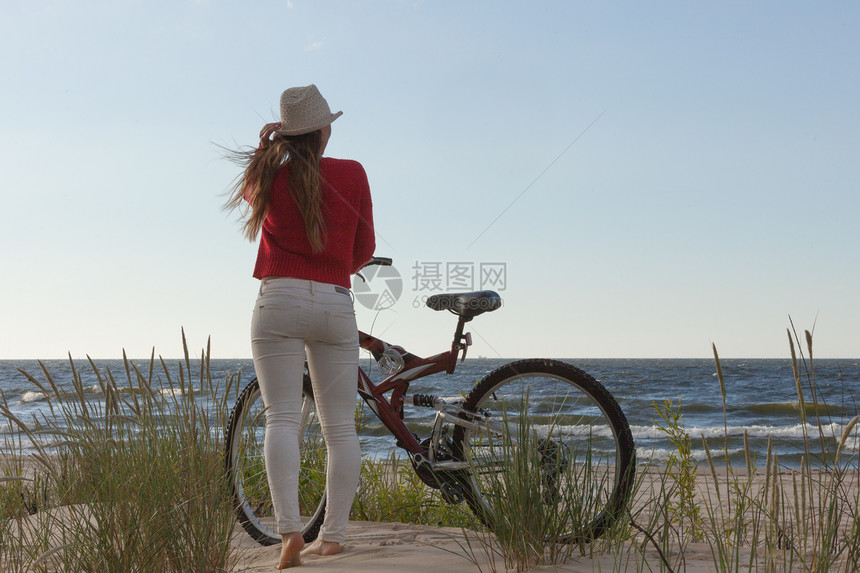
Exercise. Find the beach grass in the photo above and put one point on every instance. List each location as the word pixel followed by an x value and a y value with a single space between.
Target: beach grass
pixel 791 519
pixel 391 491
pixel 135 481
pixel 544 499
pixel 761 516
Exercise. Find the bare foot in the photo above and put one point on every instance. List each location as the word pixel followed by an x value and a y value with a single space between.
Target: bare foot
pixel 321 547
pixel 291 547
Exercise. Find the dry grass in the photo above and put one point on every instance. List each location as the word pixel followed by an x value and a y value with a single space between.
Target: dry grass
pixel 757 517
pixel 134 482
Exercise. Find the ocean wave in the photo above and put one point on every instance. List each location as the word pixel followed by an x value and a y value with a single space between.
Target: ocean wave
pixel 30 396
pixel 178 392
pixel 166 392
pixel 95 391
pixel 795 431
pixel 759 431
pixel 646 454
pixel 12 428
pixel 793 407
pixel 696 407
pixel 9 428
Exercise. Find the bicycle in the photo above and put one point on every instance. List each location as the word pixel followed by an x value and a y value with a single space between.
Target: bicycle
pixel 585 454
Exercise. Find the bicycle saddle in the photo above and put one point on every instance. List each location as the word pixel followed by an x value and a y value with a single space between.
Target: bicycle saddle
pixel 466 304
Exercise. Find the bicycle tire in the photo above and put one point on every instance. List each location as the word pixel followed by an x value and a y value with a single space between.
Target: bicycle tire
pixel 587 482
pixel 246 468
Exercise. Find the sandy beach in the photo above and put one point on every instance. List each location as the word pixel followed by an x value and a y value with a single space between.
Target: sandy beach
pixel 409 548
pixel 399 547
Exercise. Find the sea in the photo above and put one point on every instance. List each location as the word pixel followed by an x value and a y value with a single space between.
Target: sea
pixel 761 400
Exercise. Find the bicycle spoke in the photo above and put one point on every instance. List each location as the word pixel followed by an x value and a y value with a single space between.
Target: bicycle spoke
pixel 549 433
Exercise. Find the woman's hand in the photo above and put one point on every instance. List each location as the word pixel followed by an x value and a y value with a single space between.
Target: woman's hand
pixel 266 133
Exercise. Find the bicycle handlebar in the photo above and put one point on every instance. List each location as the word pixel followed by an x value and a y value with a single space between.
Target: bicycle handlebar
pixel 383 261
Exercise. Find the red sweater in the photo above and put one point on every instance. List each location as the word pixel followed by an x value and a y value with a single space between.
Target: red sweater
pixel 284 248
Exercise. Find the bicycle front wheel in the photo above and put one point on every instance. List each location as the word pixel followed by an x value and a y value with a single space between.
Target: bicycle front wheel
pixel 548 443
pixel 246 467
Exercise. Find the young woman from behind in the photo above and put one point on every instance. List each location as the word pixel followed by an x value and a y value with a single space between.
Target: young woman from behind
pixel 313 215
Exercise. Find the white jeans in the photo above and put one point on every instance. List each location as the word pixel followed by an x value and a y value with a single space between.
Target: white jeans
pixel 293 316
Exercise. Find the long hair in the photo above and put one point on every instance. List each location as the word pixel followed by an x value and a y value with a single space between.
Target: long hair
pixel 302 154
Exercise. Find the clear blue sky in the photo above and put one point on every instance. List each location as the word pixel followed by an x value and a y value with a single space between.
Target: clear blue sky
pixel 711 190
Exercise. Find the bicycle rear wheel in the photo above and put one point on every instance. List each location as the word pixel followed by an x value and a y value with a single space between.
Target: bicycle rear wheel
pixel 246 468
pixel 554 441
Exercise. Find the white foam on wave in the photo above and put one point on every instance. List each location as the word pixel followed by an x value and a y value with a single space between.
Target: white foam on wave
pixel 662 454
pixel 578 431
pixel 97 390
pixel 28 397
pixel 795 431
pixel 788 433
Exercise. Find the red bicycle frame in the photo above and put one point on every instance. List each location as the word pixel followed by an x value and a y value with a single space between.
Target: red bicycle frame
pixel 390 411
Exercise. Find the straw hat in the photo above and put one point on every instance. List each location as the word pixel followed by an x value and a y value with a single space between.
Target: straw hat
pixel 304 110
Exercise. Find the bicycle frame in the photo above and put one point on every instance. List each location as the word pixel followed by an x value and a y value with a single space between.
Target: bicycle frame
pixel 390 411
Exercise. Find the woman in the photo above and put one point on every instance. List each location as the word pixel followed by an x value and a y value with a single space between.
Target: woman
pixel 315 219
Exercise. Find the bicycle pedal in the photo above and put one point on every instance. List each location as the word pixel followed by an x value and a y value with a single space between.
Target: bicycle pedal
pixel 452 494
